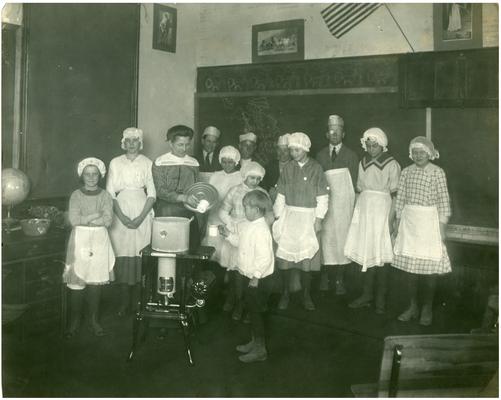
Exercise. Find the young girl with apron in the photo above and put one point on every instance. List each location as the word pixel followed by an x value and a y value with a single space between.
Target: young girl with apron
pixel 300 206
pixel 90 258
pixel 368 242
pixel 422 212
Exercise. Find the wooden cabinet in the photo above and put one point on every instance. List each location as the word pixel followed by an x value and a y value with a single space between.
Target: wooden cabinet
pixel 32 276
pixel 449 79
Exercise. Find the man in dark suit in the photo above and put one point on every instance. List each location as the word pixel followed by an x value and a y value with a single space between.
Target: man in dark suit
pixel 340 165
pixel 208 154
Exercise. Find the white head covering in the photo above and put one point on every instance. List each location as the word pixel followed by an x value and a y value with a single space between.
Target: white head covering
pixel 283 140
pixel 248 136
pixel 299 139
pixel 212 131
pixel 252 168
pixel 132 133
pixel 91 161
pixel 335 120
pixel 376 135
pixel 229 152
pixel 421 142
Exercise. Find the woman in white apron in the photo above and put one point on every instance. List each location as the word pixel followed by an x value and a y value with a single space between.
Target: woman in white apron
pixel 368 242
pixel 422 212
pixel 130 184
pixel 300 206
pixel 90 257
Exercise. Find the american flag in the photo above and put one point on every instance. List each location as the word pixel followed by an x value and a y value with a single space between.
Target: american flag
pixel 342 17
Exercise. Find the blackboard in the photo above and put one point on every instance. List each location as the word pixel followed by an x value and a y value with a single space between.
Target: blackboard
pixel 466 138
pixel 81 78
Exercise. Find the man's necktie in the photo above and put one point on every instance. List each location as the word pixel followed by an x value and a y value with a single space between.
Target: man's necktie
pixel 207 161
pixel 333 154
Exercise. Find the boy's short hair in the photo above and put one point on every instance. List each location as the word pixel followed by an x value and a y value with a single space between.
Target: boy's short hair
pixel 258 199
pixel 179 130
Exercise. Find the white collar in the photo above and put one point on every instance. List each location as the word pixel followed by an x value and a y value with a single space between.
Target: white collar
pixel 169 159
pixel 337 146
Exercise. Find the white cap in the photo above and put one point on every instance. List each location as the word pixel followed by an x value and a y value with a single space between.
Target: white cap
pixel 252 168
pixel 301 140
pixel 91 161
pixel 229 152
pixel 248 136
pixel 335 120
pixel 212 131
pixel 377 135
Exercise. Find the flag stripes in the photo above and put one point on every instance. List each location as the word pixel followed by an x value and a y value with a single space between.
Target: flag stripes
pixel 340 18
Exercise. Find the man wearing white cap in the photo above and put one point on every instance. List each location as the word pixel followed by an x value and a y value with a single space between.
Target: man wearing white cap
pixel 341 169
pixel 208 154
pixel 247 146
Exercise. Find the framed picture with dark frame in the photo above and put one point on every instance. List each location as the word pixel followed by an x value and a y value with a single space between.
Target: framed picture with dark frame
pixel 278 41
pixel 164 28
pixel 457 26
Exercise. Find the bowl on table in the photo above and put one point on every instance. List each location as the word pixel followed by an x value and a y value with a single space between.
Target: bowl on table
pixel 35 226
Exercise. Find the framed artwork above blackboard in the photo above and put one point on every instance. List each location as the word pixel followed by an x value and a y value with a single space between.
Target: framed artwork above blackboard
pixel 457 26
pixel 278 41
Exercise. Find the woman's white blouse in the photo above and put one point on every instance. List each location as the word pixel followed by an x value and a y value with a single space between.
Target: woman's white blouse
pixel 126 174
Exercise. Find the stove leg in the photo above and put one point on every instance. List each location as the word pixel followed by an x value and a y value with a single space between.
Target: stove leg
pixel 135 333
pixel 187 344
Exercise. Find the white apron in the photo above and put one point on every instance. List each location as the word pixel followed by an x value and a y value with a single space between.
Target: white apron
pixel 129 242
pixel 294 233
pixel 93 256
pixel 368 242
pixel 419 233
pixel 338 218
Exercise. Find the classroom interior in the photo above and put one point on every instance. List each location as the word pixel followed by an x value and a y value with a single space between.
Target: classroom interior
pixel 74 76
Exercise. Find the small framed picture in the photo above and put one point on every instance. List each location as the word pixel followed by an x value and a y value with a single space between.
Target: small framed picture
pixel 278 41
pixel 457 26
pixel 164 28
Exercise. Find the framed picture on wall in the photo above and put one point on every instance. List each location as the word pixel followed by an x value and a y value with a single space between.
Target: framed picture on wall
pixel 457 26
pixel 164 28
pixel 278 41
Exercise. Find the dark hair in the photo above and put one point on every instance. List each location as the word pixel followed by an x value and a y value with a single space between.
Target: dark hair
pixel 179 130
pixel 258 199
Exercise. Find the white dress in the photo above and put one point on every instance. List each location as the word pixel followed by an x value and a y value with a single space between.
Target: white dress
pixel 368 242
pixel 130 183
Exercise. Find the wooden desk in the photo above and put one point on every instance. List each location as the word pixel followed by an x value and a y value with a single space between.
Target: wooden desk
pixel 32 270
pixel 150 304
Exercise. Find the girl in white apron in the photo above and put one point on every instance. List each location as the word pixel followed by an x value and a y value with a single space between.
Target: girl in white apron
pixel 422 212
pixel 223 181
pixel 231 213
pixel 90 257
pixel 300 206
pixel 130 184
pixel 368 242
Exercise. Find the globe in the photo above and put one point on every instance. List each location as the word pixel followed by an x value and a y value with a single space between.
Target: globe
pixel 15 186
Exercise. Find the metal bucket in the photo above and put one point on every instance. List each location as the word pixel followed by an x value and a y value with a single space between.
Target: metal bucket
pixel 170 234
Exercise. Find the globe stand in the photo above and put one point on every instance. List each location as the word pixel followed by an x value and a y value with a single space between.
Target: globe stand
pixel 10 224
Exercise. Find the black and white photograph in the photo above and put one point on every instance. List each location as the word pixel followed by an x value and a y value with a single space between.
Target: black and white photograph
pixel 250 200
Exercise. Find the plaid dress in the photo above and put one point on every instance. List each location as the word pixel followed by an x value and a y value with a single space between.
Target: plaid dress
pixel 424 187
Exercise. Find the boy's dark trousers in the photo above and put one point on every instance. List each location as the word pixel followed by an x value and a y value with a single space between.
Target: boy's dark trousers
pixel 255 300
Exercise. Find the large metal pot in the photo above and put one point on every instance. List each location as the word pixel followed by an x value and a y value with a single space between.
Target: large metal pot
pixel 171 234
